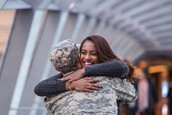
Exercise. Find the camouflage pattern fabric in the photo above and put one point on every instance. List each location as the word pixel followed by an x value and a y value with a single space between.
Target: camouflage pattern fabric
pixel 64 56
pixel 101 102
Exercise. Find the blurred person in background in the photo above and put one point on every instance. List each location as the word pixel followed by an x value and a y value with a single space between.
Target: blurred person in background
pixel 147 96
pixel 170 97
pixel 152 94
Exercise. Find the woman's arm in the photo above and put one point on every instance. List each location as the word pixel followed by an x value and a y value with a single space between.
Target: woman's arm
pixel 114 68
pixel 54 85
pixel 50 86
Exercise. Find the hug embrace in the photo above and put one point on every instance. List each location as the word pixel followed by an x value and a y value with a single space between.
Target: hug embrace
pixel 91 81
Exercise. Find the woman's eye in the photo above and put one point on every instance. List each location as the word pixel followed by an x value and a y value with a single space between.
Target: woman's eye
pixel 94 53
pixel 83 53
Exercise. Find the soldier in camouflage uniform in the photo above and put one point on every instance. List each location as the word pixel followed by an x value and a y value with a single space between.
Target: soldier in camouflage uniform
pixel 101 102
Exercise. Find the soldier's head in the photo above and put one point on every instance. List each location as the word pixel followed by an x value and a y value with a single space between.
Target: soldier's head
pixel 64 56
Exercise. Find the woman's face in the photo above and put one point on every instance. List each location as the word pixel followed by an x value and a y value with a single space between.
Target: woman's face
pixel 88 54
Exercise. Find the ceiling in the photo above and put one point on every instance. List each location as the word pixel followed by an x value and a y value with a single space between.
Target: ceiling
pixel 149 22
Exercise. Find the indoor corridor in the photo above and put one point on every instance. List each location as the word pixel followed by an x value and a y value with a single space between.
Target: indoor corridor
pixel 139 31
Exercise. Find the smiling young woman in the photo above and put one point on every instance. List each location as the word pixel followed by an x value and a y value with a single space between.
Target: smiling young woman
pixel 88 54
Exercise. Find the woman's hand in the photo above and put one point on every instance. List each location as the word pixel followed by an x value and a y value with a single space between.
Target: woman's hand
pixel 86 85
pixel 75 76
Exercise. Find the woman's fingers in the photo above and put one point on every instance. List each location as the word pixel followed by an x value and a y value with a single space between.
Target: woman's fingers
pixel 77 75
pixel 73 79
pixel 66 78
pixel 70 78
pixel 91 89
pixel 74 76
pixel 86 84
pixel 93 86
pixel 88 90
pixel 91 80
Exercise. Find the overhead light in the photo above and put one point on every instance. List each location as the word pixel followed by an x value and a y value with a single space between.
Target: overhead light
pixel 73 5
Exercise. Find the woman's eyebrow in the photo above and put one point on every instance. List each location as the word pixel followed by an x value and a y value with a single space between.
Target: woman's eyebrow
pixel 93 50
pixel 83 50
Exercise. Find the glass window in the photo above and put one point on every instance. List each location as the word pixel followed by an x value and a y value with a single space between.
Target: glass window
pixel 6 20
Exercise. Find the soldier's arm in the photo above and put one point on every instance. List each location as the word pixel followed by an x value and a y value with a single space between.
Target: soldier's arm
pixel 125 91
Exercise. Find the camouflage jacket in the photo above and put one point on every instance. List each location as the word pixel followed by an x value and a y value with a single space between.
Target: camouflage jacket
pixel 101 102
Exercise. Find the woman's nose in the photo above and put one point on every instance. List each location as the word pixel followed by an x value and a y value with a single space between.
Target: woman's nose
pixel 87 57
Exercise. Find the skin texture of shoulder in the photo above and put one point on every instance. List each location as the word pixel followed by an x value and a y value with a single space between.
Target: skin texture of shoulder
pixel 53 85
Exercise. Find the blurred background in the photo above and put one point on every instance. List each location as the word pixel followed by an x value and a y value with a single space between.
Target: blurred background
pixel 139 31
